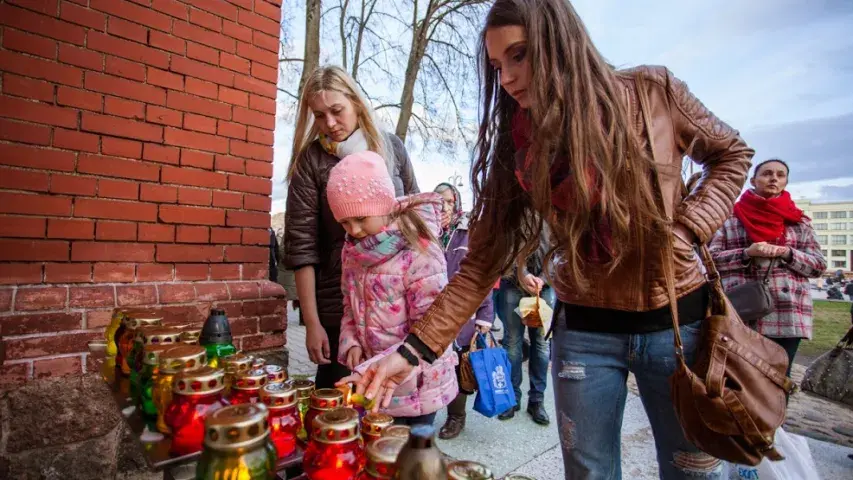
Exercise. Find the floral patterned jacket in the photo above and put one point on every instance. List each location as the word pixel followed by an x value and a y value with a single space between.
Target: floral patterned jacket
pixel 789 283
pixel 387 286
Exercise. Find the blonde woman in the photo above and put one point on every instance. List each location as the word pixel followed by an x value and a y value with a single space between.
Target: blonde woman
pixel 333 121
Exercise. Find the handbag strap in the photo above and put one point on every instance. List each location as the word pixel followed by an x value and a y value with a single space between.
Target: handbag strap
pixel 766 278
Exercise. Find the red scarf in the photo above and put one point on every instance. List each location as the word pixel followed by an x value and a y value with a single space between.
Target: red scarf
pixel 562 190
pixel 765 218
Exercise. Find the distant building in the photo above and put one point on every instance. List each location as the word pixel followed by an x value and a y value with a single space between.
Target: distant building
pixel 833 224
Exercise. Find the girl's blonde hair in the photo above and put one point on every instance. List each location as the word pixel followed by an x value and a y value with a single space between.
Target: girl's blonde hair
pixel 334 79
pixel 412 226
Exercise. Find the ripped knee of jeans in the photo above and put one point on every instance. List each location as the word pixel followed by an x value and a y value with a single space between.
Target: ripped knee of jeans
pixel 572 371
pixel 696 464
pixel 567 432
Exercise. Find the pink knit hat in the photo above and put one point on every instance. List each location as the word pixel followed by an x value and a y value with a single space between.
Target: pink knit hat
pixel 359 186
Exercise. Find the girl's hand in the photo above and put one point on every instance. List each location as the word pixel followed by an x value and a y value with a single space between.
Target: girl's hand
pixel 484 329
pixel 532 284
pixel 381 379
pixel 355 356
pixel 317 344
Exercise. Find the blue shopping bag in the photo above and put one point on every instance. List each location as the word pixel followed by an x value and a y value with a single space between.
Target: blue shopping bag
pixel 493 373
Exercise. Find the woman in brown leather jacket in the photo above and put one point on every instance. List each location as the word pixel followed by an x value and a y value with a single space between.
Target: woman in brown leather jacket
pixel 333 121
pixel 566 136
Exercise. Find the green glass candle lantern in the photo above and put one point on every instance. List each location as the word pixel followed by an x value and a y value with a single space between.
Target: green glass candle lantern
pixel 147 336
pixel 148 377
pixel 237 445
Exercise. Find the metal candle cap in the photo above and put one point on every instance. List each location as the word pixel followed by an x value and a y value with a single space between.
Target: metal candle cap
pixel 160 336
pixel 258 362
pixel 518 476
pixel 251 380
pixel 278 395
pixel 397 431
pixel 275 373
pixel 326 399
pixel 182 357
pixel 335 426
pixel 375 423
pixel 384 451
pixel 304 388
pixel 216 329
pixel 137 319
pixel 151 354
pixel 236 427
pixel 465 470
pixel 203 381
pixel 237 363
pixel 190 335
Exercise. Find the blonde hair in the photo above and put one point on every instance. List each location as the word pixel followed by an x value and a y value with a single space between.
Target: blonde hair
pixel 412 226
pixel 334 79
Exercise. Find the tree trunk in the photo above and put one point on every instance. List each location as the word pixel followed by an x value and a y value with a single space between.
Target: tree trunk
pixel 407 99
pixel 312 41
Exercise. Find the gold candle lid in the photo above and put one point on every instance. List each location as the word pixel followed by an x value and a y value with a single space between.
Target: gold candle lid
pixel 278 395
pixel 190 335
pixel 251 380
pixel 383 451
pixel 275 373
pixel 236 427
pixel 466 470
pixel 202 381
pixel 339 425
pixel 151 354
pixel 258 362
pixel 182 357
pixel 134 319
pixel 397 431
pixel 159 336
pixel 518 476
pixel 303 388
pixel 326 399
pixel 375 423
pixel 236 363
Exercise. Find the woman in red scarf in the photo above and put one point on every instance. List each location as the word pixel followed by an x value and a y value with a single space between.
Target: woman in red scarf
pixel 768 231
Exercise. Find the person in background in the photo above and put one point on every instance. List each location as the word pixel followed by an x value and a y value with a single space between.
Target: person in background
pixel 454 240
pixel 768 231
pixel 848 290
pixel 333 121
pixel 275 256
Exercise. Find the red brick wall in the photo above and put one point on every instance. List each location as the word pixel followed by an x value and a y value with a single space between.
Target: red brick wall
pixel 135 165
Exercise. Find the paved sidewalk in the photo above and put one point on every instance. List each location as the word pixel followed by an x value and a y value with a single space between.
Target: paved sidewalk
pixel 521 446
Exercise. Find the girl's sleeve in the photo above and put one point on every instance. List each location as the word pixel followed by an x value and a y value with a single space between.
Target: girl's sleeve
pixel 726 259
pixel 349 335
pixel 807 260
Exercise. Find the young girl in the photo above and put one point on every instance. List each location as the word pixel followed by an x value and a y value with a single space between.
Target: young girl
pixel 393 268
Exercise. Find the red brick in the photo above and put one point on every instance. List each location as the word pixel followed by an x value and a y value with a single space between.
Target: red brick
pixel 22 348
pixel 275 323
pixel 46 7
pixel 155 232
pixel 199 123
pixel 230 164
pixel 41 298
pixel 67 273
pixel 44 69
pixel 30 204
pixel 235 63
pixel 116 231
pixel 92 297
pixel 171 7
pixel 263 104
pixel 270 11
pixel 18 273
pixel 28 250
pixel 114 272
pixel 13 179
pixel 20 109
pixel 83 16
pixel 246 254
pixel 22 227
pixel 35 323
pixel 118 189
pixel 195 140
pixel 151 272
pixel 271 289
pixel 251 52
pixel 247 219
pixel 125 29
pixel 124 88
pixel 225 272
pixel 41 25
pixel 205 20
pixel 164 116
pixel 27 88
pixel 192 177
pixel 191 215
pixel 200 52
pixel 176 293
pixel 267 42
pixel 244 326
pixel 277 307
pixel 192 234
pixel 234 30
pixel 117 167
pixel 121 147
pixel 167 42
pixel 165 79
pixel 232 310
pixel 150 192
pixel 74 140
pixel 188 253
pixel 111 252
pixel 115 210
pixel 257 202
pixel 144 15
pixel 202 88
pixel 264 137
pixel 206 37
pixel 263 72
pixel 259 169
pixel 14 374
pixel 193 196
pixel 196 69
pixel 225 235
pixel 136 295
pixel 191 158
pixel 125 68
pixel 258 22
pixel 208 292
pixel 120 127
pixel 249 84
pixel 227 199
pixel 24 132
pixel 104 43
pixel 161 154
pixel 255 236
pixel 233 130
pixel 242 183
pixel 124 108
pixel 256 271
pixel 190 103
pixel 73 185
pixel 57 367
pixel 217 7
pixel 81 57
pixel 79 98
pixel 98 319
pixel 191 273
pixel 72 229
pixel 251 117
pixel 32 44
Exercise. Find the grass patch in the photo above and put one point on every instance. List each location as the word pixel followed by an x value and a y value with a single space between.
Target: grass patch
pixel 831 322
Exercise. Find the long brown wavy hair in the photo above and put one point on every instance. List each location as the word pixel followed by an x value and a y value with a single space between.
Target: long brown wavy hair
pixel 579 115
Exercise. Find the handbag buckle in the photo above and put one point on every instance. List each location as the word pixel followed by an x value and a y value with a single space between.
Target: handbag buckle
pixel 679 351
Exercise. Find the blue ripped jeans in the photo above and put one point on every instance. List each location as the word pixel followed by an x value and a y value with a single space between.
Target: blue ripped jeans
pixel 589 374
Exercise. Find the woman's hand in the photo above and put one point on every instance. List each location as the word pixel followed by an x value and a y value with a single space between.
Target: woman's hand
pixel 766 250
pixel 355 356
pixel 317 344
pixel 532 284
pixel 381 379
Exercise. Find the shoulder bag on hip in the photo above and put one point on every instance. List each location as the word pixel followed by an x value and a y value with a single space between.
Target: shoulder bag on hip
pixel 753 300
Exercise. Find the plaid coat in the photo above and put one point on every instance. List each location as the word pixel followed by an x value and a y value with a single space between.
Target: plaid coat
pixel 789 283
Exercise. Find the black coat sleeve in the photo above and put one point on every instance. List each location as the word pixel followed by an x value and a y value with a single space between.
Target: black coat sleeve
pixel 302 218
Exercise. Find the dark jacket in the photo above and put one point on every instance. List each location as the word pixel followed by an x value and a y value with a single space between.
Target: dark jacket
pixel 456 249
pixel 274 256
pixel 313 237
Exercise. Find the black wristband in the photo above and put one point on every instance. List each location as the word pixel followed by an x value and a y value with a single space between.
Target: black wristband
pixel 425 352
pixel 408 355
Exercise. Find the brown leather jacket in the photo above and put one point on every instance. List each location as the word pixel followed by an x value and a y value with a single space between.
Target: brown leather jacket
pixel 680 126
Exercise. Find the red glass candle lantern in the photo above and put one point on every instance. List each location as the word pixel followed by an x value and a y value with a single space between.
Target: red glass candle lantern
pixel 237 445
pixel 280 399
pixel 373 424
pixel 335 451
pixel 246 387
pixel 238 363
pixel 275 373
pixel 322 400
pixel 195 394
pixel 381 457
pixel 173 361
pixel 133 320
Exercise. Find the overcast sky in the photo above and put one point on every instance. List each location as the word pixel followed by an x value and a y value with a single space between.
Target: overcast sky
pixel 780 71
